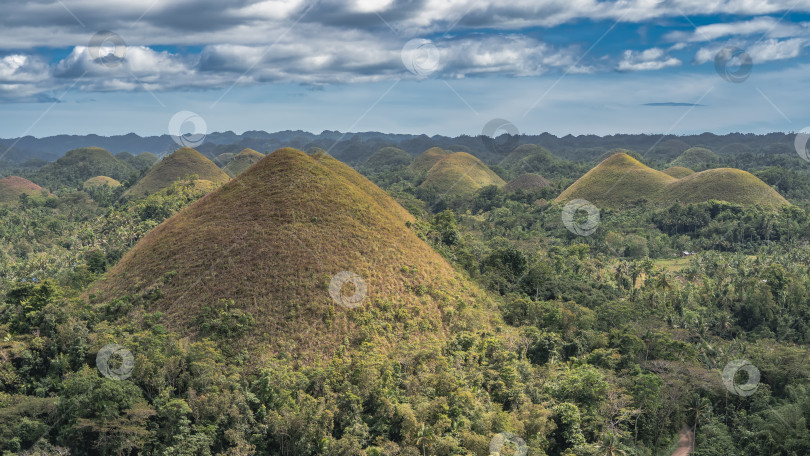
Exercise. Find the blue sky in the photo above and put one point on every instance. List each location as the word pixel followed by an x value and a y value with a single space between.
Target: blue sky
pixel 411 66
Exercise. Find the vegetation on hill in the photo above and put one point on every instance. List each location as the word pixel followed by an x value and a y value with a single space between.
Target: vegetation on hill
pixel 78 165
pixel 621 182
pixel 386 159
pixel 181 163
pixel 422 163
pixel 696 158
pixel 607 344
pixel 724 184
pixel 460 174
pixel 222 160
pixel 242 161
pixel 527 182
pixel 618 181
pixel 520 153
pixel 678 171
pixel 531 158
pixel 144 160
pixel 100 181
pixel 271 240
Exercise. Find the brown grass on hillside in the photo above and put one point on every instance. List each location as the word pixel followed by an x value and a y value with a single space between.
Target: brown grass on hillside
pixel 242 161
pixel 273 238
pixel 460 174
pixel 181 163
pixel 12 187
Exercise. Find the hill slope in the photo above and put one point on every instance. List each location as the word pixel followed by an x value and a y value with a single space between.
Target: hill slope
pixel 724 184
pixel 13 186
pixel 100 181
pixel 617 181
pixel 273 239
pixel 620 180
pixel 242 161
pixel 678 172
pixel 387 158
pixel 427 159
pixel 698 158
pixel 78 165
pixel 460 174
pixel 526 182
pixel 181 163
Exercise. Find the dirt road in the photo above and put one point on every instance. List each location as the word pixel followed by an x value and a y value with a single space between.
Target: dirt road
pixel 685 443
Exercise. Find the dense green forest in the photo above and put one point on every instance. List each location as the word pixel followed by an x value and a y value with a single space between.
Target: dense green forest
pixel 606 344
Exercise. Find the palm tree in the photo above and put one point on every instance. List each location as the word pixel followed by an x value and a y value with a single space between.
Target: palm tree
pixel 610 444
pixel 700 409
pixel 424 436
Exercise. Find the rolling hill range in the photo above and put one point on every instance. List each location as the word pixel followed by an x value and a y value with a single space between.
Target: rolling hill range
pixel 622 180
pixel 181 163
pixel 274 239
pixel 460 174
pixel 78 165
pixel 13 186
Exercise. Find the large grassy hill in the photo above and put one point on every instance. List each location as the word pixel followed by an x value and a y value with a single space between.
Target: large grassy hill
pixel 78 165
pixel 621 180
pixel 724 184
pixel 13 186
pixel 181 163
pixel 460 174
pixel 617 181
pixel 272 240
pixel 427 159
pixel 242 161
pixel 387 158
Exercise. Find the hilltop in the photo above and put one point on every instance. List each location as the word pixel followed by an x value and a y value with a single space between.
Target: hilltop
pixel 617 181
pixel 621 180
pixel 13 186
pixel 100 181
pixel 78 165
pixel 460 174
pixel 427 160
pixel 273 239
pixel 387 158
pixel 242 161
pixel 181 163
pixel 527 183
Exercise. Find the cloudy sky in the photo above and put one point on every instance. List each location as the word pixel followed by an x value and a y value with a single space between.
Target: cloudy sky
pixel 409 66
